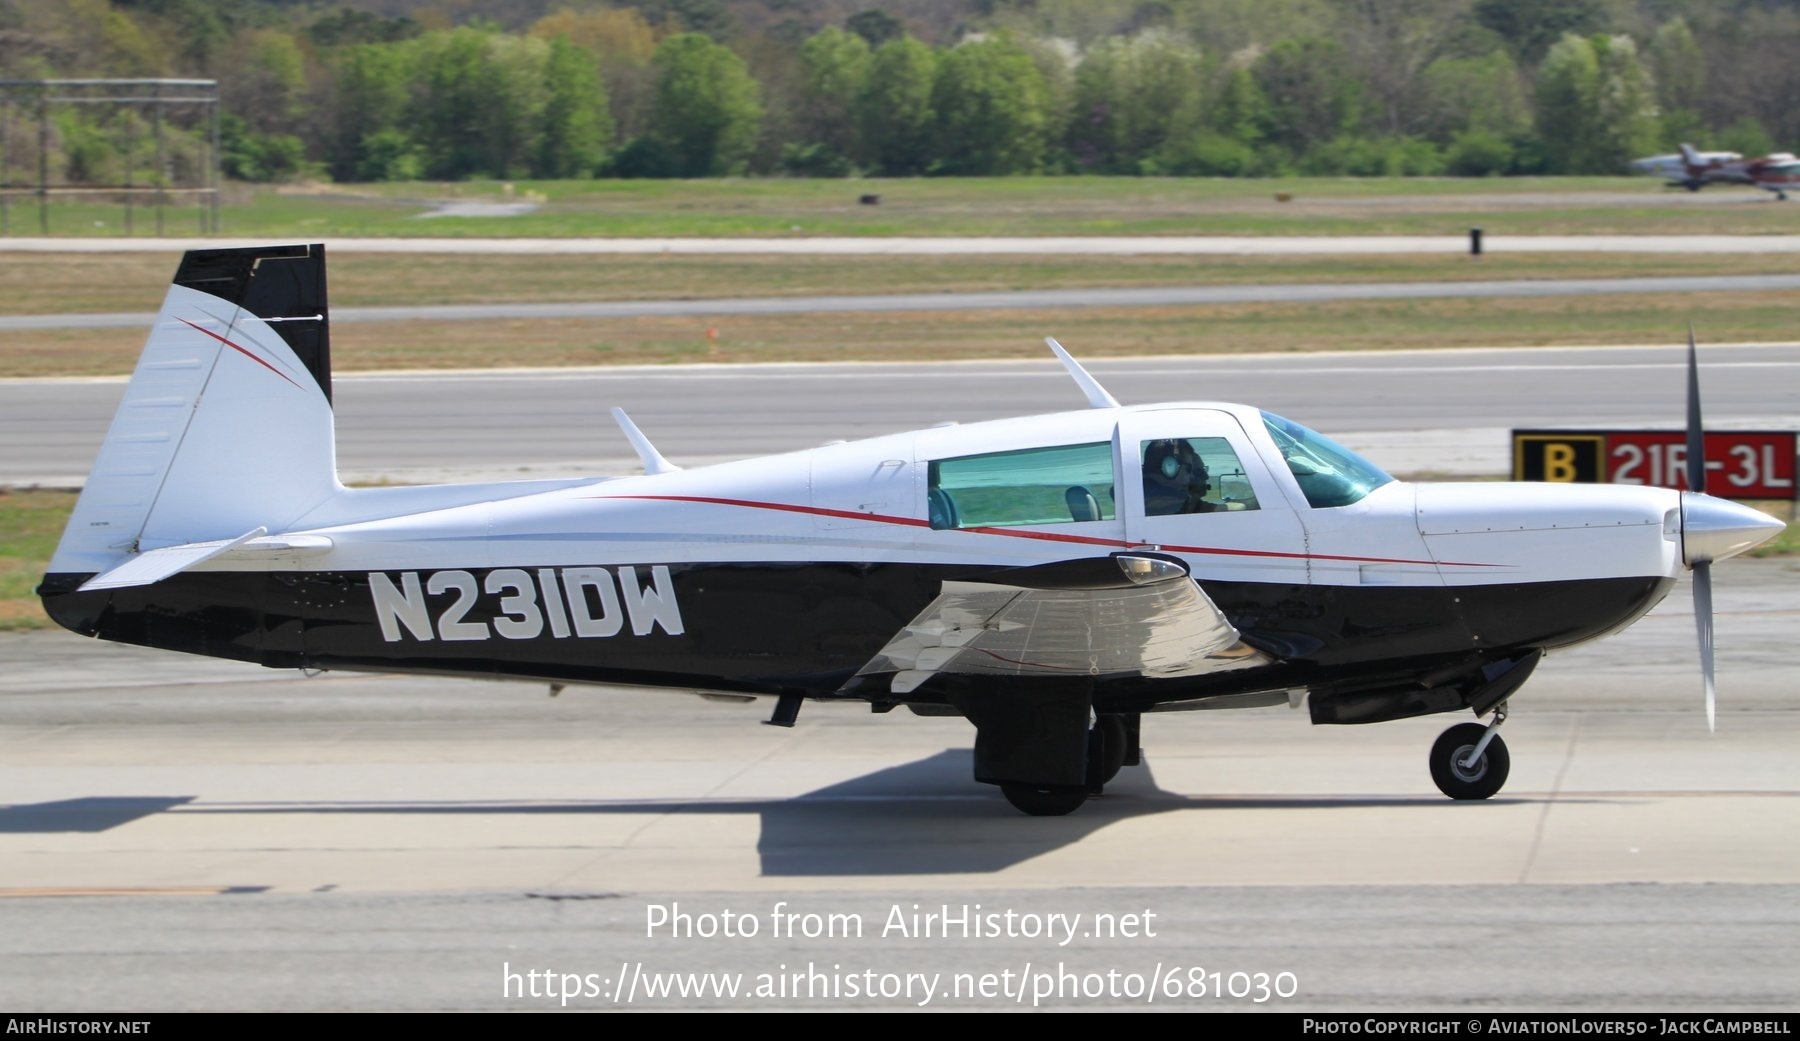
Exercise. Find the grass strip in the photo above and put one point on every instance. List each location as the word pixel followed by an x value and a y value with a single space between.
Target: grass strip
pixel 1030 206
pixel 910 336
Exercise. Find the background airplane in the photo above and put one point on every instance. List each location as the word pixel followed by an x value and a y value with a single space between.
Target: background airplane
pixel 1694 170
pixel 1674 166
pixel 1053 579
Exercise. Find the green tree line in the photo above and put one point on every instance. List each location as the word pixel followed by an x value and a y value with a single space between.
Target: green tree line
pixel 702 88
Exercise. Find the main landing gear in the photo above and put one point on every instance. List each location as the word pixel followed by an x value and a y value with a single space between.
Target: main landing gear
pixel 1110 743
pixel 1469 761
pixel 1044 800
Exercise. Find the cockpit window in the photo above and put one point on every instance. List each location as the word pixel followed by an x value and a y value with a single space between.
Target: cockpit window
pixel 1328 473
pixel 1030 486
pixel 1193 475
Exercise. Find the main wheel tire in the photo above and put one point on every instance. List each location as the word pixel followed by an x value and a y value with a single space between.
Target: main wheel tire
pixel 1106 750
pixel 1044 800
pixel 1457 781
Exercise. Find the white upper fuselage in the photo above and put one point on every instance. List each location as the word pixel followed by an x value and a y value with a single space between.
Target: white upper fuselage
pixel 869 501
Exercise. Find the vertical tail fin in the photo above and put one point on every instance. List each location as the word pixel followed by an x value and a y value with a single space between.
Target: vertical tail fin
pixel 226 424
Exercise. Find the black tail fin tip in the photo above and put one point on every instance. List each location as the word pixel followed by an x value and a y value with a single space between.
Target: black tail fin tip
pixel 283 285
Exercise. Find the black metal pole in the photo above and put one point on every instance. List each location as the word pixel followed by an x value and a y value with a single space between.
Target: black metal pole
pixel 125 116
pixel 43 160
pixel 6 120
pixel 162 180
pixel 217 159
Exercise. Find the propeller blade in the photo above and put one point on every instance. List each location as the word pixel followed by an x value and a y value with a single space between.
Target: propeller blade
pixel 1703 623
pixel 1696 438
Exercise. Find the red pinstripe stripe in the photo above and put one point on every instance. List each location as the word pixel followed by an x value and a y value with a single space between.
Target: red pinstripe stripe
pixel 1045 536
pixel 240 350
pixel 781 506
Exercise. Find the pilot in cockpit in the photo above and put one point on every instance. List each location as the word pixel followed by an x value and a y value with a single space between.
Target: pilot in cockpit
pixel 1175 479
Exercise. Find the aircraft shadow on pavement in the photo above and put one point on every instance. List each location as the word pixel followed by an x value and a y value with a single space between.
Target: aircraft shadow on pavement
pixel 91 814
pixel 925 817
pixel 928 818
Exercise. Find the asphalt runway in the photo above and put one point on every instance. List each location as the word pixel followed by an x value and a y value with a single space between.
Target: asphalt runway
pixel 180 833
pixel 1416 412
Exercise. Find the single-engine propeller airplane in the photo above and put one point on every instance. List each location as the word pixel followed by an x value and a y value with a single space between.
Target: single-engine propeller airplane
pixel 1053 579
pixel 1673 166
pixel 1695 170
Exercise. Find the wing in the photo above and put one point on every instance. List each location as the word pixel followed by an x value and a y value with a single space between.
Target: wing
pixel 1120 615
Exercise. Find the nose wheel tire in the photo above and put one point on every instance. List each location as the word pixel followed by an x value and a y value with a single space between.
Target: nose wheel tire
pixel 1478 781
pixel 1044 800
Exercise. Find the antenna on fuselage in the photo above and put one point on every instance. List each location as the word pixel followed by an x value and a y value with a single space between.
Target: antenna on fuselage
pixel 1096 394
pixel 653 461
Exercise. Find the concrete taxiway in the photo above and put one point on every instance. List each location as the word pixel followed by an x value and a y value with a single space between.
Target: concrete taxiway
pixel 179 833
pixel 1437 412
pixel 1017 300
pixel 184 833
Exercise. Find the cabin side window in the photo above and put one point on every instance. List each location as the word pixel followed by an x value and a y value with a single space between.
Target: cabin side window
pixel 1193 475
pixel 1064 484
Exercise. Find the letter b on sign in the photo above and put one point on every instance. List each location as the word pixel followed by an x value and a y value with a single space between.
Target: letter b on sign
pixel 1560 457
pixel 1559 462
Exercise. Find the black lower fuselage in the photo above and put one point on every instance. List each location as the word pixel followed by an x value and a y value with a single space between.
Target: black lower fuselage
pixel 790 628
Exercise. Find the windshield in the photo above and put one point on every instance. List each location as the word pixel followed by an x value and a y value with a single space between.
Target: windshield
pixel 1329 474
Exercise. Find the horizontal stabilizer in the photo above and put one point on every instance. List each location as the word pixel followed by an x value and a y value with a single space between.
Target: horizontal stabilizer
pixel 158 564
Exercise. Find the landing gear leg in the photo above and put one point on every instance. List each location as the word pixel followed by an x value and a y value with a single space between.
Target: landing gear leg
pixel 1106 751
pixel 1469 761
pixel 1034 741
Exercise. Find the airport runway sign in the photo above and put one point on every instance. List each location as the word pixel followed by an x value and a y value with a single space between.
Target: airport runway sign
pixel 1744 464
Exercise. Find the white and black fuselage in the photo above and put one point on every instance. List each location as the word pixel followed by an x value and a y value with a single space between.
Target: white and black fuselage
pixel 1027 573
pixel 788 574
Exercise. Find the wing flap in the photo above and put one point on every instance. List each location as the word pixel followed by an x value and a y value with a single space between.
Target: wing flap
pixel 1153 622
